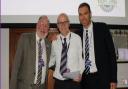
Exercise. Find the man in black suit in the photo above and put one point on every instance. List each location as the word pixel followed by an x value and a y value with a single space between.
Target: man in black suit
pixel 99 53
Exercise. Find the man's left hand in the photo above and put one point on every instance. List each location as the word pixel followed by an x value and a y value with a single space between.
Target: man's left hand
pixel 113 85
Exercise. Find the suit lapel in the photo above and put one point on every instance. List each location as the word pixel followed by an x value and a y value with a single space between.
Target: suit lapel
pixel 48 50
pixel 95 37
pixel 33 48
pixel 48 47
pixel 94 32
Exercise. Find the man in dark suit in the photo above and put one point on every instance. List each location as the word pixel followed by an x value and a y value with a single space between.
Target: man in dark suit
pixel 98 51
pixel 25 73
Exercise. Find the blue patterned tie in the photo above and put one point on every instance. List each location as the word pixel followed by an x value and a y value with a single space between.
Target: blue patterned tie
pixel 40 64
pixel 63 62
pixel 87 61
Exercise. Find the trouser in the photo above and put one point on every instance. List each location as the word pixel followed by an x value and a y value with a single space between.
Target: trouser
pixel 94 81
pixel 42 86
pixel 66 84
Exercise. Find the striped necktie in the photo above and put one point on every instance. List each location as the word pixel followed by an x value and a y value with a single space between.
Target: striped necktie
pixel 63 63
pixel 87 61
pixel 40 64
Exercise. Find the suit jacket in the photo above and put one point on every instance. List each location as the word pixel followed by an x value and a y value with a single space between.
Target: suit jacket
pixel 105 57
pixel 23 72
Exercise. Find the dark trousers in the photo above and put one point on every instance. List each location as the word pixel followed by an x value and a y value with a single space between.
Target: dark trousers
pixel 66 84
pixel 94 81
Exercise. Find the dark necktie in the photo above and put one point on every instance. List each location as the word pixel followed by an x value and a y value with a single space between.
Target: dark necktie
pixel 40 64
pixel 87 61
pixel 63 67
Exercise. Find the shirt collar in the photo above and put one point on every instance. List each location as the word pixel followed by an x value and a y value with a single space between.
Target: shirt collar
pixel 89 28
pixel 67 37
pixel 38 38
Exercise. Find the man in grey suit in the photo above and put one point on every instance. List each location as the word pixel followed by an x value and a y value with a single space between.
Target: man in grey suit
pixel 25 73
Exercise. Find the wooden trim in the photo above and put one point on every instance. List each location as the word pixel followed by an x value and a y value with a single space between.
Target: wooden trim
pixel 53 25
pixel 122 61
pixel 123 88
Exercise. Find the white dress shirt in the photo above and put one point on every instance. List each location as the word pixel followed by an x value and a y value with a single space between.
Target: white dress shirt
pixel 93 67
pixel 74 54
pixel 44 57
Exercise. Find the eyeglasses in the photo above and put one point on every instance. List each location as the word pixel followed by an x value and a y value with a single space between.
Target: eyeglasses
pixel 64 22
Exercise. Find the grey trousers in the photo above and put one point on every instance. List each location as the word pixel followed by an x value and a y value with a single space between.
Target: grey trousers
pixel 42 86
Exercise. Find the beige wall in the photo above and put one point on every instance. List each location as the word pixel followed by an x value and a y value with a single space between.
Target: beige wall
pixel 4 59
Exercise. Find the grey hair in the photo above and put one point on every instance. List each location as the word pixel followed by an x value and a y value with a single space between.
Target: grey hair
pixel 43 16
pixel 63 14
